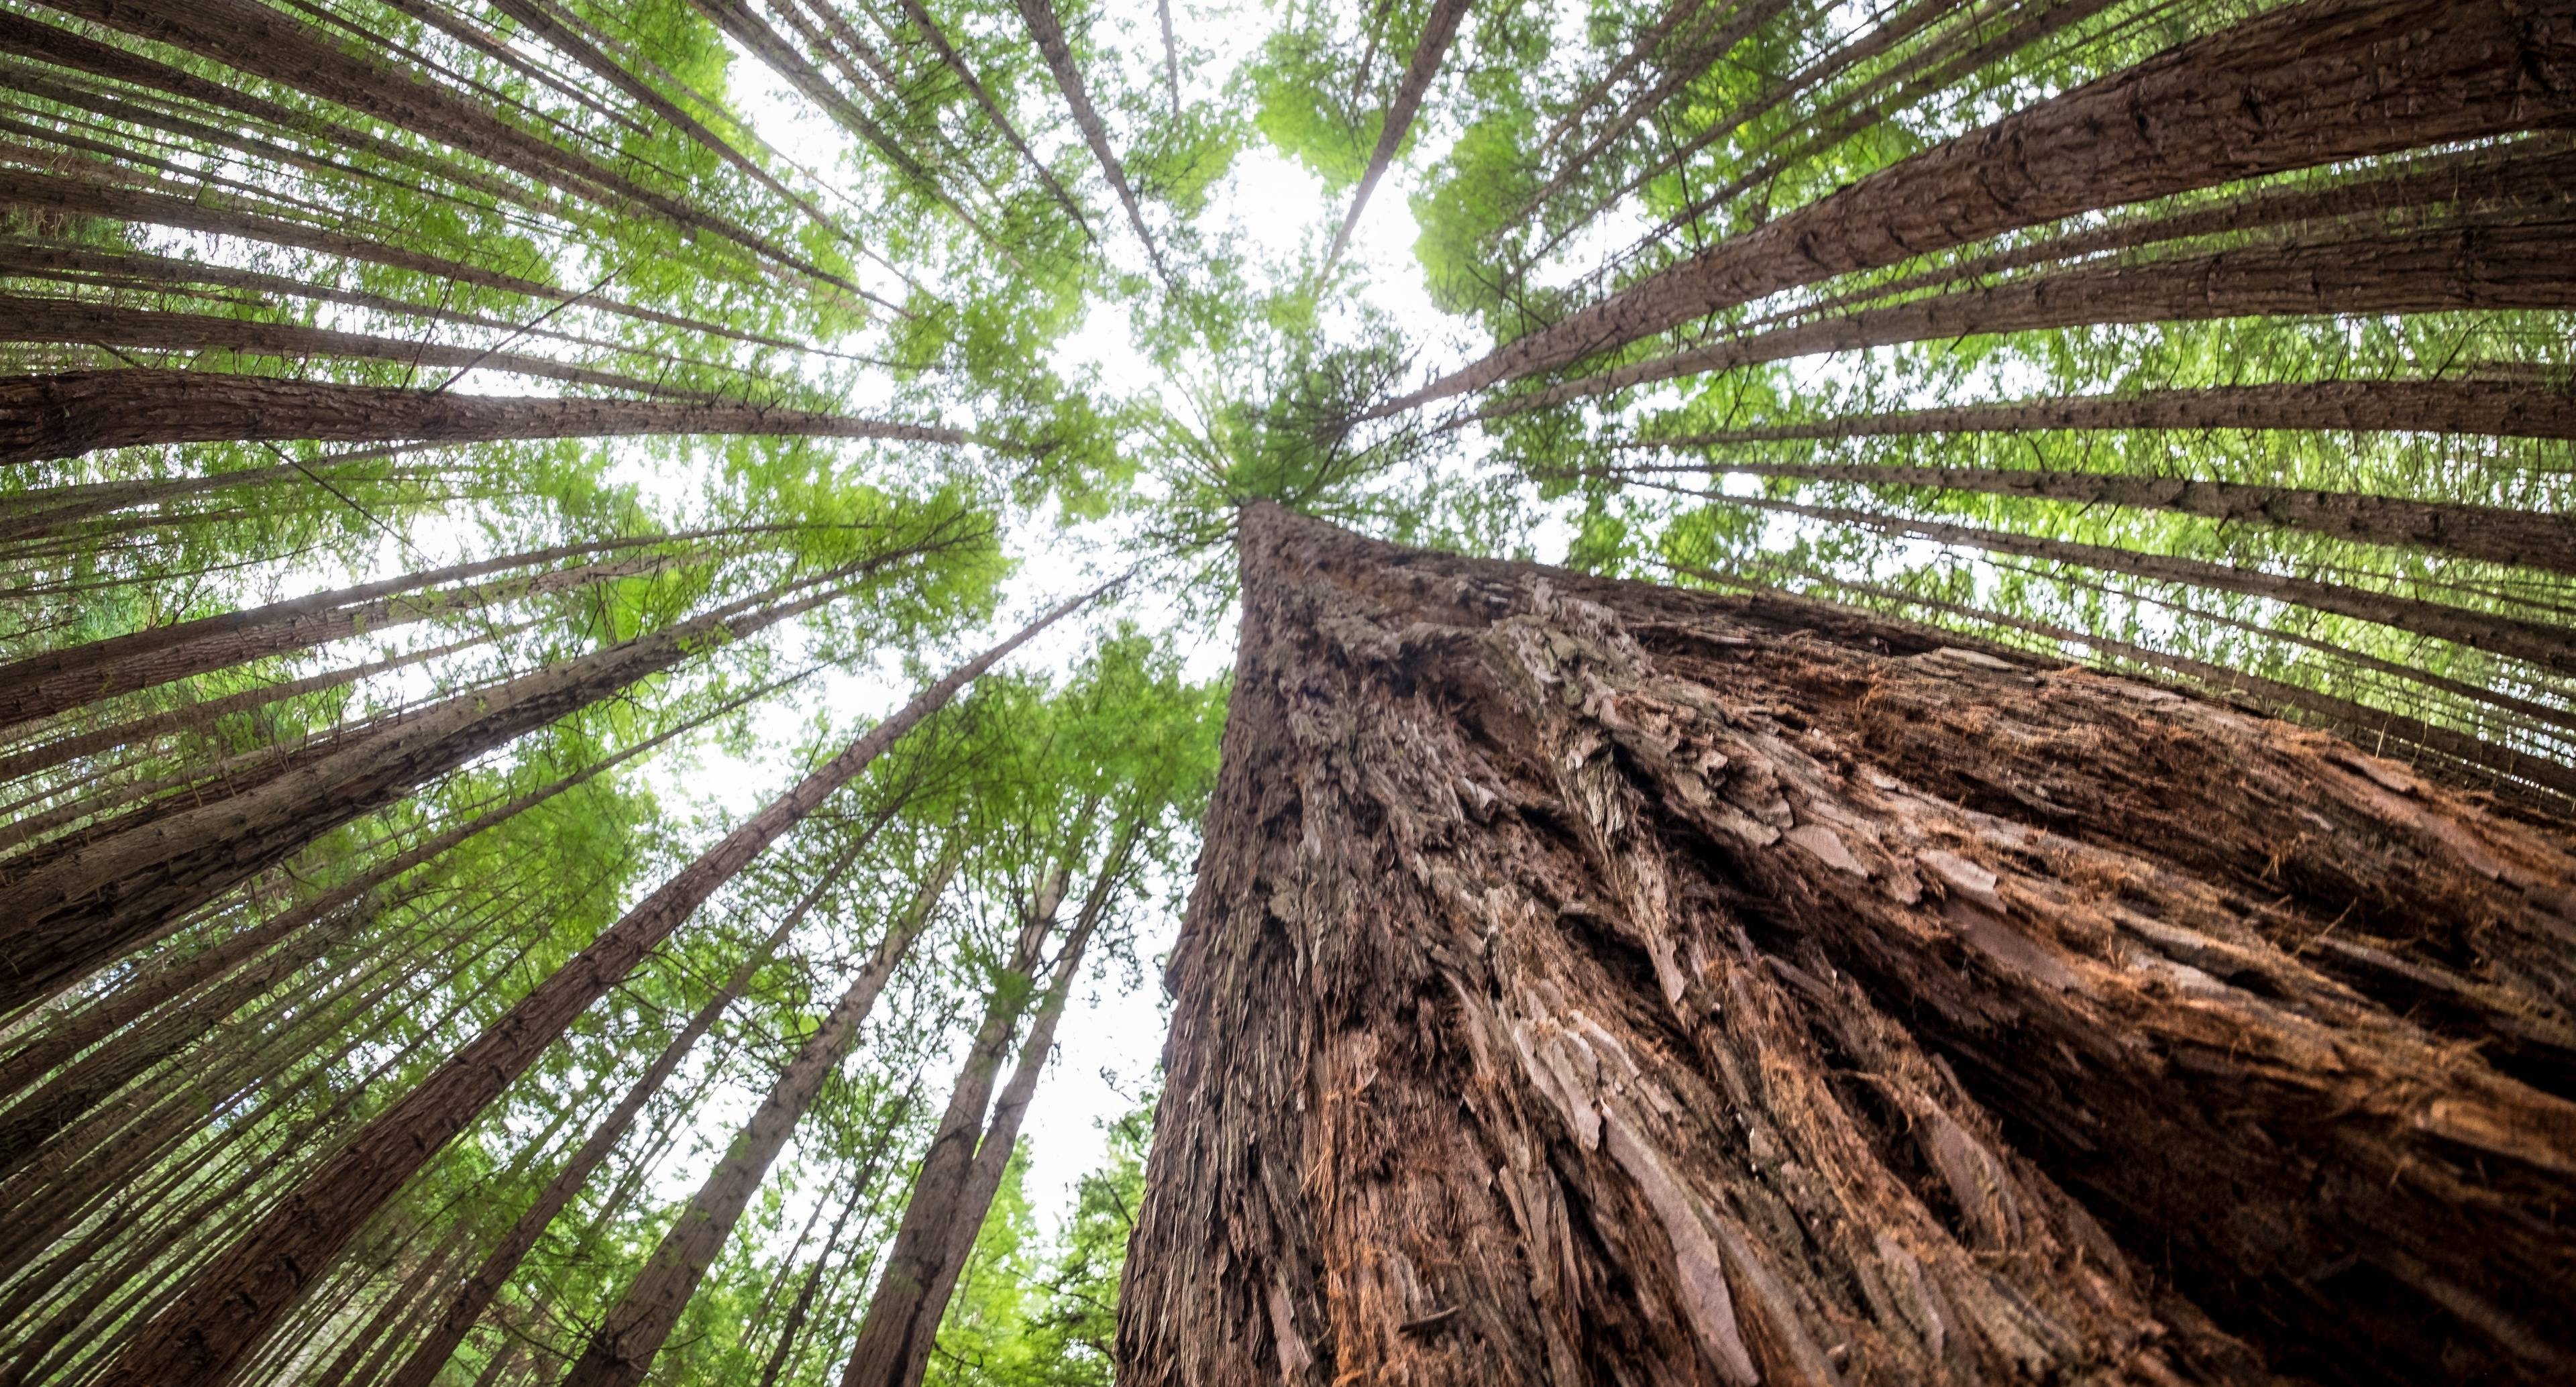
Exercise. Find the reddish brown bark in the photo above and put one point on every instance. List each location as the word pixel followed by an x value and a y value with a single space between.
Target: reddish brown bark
pixel 262 41
pixel 1589 982
pixel 2295 88
pixel 238 1298
pixel 2551 647
pixel 71 320
pixel 895 1336
pixel 67 415
pixel 475 1296
pixel 2498 408
pixel 95 899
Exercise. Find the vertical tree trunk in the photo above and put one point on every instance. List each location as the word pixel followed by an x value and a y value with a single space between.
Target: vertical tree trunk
pixel 633 1331
pixel 238 1298
pixel 896 1335
pixel 471 1299
pixel 1438 31
pixel 1591 982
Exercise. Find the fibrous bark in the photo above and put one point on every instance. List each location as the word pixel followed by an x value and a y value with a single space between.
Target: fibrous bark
pixel 1591 982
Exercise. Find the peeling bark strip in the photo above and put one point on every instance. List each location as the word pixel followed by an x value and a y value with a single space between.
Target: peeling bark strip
pixel 2308 85
pixel 59 416
pixel 1595 983
pixel 236 1299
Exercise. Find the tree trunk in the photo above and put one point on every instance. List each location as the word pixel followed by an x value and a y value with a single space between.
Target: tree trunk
pixel 502 1262
pixel 2494 408
pixel 256 39
pixel 956 64
pixel 238 1298
pixel 1590 982
pixel 895 1337
pixel 67 415
pixel 2545 644
pixel 632 1332
pixel 1048 32
pixel 2473 263
pixel 2315 83
pixel 1439 29
pixel 67 1035
pixel 2490 534
pixel 57 681
pixel 25 319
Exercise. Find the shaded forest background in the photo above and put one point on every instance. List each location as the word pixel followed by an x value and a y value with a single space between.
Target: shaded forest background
pixel 615 610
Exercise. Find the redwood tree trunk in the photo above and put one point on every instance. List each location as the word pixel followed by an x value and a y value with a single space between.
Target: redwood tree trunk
pixel 1591 982
pixel 70 414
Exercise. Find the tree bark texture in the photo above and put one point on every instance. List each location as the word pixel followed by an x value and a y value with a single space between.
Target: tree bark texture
pixel 66 415
pixel 2298 87
pixel 1591 982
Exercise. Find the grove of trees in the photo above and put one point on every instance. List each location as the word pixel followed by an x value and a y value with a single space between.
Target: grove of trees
pixel 623 622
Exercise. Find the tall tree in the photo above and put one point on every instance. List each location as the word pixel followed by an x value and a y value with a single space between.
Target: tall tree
pixel 1587 978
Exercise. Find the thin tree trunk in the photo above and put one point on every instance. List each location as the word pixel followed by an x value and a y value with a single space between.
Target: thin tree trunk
pixel 955 62
pixel 1879 38
pixel 2315 83
pixel 58 681
pixel 2465 265
pixel 1171 73
pixel 240 1296
pixel 1439 29
pixel 1048 32
pixel 472 1298
pixel 70 320
pixel 895 1337
pixel 66 415
pixel 1589 982
pixel 2549 646
pixel 139 734
pixel 2356 720
pixel 2489 534
pixel 632 1332
pixel 2493 408
pixel 66 1036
